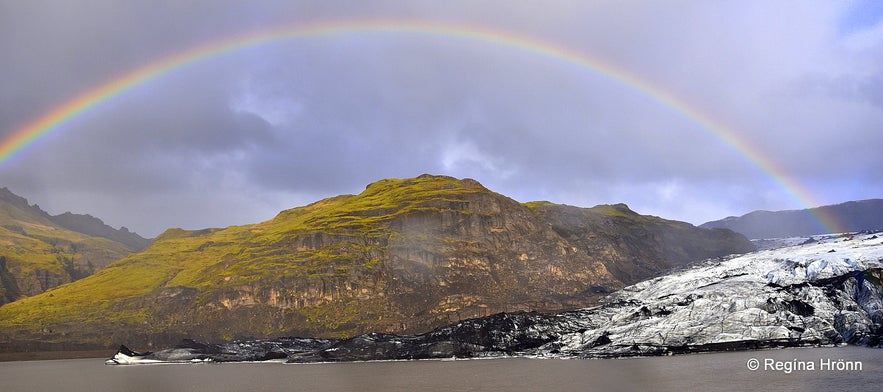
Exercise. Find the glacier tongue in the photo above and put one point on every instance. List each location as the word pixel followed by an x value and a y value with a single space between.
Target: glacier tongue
pixel 824 292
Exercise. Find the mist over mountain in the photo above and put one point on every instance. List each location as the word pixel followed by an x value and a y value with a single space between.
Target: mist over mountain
pixel 851 216
pixel 403 256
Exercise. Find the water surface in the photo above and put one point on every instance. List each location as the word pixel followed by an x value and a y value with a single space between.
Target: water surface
pixel 715 371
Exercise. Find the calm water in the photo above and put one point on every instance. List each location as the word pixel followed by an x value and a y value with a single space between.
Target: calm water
pixel 719 371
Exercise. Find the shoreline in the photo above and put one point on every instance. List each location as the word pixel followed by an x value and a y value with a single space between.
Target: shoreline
pixel 105 354
pixel 52 355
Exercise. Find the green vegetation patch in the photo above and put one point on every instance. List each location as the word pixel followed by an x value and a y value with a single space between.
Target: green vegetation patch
pixel 332 238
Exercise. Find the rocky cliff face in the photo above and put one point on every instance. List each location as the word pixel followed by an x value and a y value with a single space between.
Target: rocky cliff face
pixel 634 247
pixel 403 256
pixel 827 292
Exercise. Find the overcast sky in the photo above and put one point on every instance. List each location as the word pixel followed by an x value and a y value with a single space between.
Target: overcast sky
pixel 236 138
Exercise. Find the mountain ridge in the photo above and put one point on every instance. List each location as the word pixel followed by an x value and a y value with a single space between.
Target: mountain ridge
pixel 88 224
pixel 404 255
pixel 852 216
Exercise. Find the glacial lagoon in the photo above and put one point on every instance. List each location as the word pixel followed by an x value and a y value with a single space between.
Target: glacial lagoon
pixel 799 369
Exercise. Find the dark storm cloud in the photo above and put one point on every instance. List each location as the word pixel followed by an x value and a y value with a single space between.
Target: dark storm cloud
pixel 235 138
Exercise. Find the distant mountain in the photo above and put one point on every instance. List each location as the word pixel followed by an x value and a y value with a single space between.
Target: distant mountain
pixel 853 216
pixel 405 255
pixel 88 224
pixel 39 251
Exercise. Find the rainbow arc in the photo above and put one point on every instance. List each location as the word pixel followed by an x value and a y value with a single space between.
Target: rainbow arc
pixel 55 119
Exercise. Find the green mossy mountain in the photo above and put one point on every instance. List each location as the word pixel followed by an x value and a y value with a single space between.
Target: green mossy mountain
pixel 38 253
pixel 405 255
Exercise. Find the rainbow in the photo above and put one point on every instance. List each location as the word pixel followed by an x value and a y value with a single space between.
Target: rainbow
pixel 58 117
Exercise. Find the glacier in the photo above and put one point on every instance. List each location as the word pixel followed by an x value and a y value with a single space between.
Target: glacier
pixel 824 292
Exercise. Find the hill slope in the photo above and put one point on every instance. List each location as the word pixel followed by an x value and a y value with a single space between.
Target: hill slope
pixel 403 256
pixel 37 254
pixel 853 216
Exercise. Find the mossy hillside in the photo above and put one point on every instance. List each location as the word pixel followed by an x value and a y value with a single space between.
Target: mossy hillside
pixel 379 203
pixel 358 225
pixel 40 253
pixel 82 302
pixel 377 261
pixel 76 302
pixel 212 259
pixel 26 254
pixel 618 211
